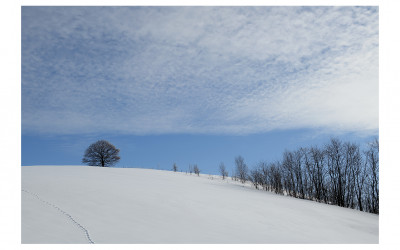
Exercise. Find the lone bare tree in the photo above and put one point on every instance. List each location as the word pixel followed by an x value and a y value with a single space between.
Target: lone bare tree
pixel 241 169
pixel 101 153
pixel 223 171
pixel 175 167
pixel 196 169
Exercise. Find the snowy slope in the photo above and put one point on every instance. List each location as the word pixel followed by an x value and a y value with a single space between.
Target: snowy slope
pixel 81 204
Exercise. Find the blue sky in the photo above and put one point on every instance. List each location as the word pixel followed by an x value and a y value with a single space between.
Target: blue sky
pixel 196 84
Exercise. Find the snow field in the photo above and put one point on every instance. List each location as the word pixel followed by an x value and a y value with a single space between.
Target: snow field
pixel 129 205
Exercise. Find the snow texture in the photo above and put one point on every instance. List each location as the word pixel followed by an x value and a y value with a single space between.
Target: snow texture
pixel 81 204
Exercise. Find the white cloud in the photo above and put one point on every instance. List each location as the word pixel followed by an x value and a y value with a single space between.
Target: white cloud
pixel 199 70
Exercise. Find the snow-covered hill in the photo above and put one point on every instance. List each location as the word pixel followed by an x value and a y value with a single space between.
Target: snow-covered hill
pixel 81 204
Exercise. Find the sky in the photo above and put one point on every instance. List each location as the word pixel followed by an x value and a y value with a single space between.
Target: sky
pixel 195 85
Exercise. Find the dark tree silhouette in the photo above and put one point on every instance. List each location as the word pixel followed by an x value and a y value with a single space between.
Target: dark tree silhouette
pixel 256 177
pixel 196 169
pixel 101 153
pixel 175 167
pixel 372 167
pixel 337 173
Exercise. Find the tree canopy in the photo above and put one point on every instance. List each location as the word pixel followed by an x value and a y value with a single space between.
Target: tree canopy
pixel 101 153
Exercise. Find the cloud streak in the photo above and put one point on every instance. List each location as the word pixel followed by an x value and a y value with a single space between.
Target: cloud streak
pixel 219 70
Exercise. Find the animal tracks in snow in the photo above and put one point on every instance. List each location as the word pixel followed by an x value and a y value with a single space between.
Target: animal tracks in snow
pixel 85 231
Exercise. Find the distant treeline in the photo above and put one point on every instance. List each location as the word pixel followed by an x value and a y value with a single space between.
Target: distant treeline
pixel 338 173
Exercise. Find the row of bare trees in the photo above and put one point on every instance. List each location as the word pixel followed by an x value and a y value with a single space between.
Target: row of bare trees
pixel 192 169
pixel 340 173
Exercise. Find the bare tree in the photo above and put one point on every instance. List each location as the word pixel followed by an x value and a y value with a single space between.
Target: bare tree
pixel 351 164
pixel 256 177
pixel 335 161
pixel 359 176
pixel 196 169
pixel 264 171
pixel 299 172
pixel 241 169
pixel 288 173
pixel 275 174
pixel 336 174
pixel 316 174
pixel 372 165
pixel 101 153
pixel 223 171
pixel 175 167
